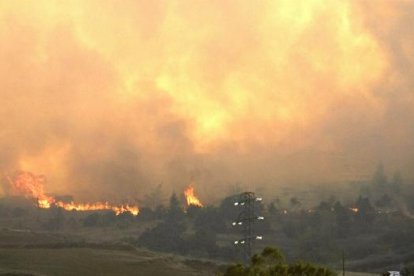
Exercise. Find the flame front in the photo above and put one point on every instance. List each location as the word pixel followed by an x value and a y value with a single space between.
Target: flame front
pixel 191 198
pixel 96 206
pixel 32 186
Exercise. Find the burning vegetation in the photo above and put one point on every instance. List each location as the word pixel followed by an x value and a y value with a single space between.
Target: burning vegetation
pixel 31 186
pixel 308 223
pixel 191 198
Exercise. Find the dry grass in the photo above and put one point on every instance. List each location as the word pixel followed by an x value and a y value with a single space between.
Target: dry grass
pixel 30 253
pixel 88 261
pixel 357 274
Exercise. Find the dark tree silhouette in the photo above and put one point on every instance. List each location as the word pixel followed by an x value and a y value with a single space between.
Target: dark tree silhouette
pixel 271 262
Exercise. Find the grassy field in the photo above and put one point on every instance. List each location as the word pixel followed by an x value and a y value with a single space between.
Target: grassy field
pixel 34 253
pixel 357 274
pixel 90 261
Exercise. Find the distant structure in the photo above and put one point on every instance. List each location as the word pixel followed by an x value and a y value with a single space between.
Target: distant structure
pixel 246 220
pixel 392 273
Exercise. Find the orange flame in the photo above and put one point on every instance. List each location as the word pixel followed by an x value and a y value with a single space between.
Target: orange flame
pixel 96 206
pixel 31 186
pixel 191 198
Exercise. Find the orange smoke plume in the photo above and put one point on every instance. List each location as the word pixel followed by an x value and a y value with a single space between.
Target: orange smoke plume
pixel 191 198
pixel 30 185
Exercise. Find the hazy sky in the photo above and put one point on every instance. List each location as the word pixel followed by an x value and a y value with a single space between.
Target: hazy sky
pixel 110 98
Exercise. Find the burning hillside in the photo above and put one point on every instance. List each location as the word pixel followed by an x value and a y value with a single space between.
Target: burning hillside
pixel 31 186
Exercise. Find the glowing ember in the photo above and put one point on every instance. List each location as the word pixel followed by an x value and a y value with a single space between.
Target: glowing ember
pixel 355 210
pixel 31 186
pixel 191 198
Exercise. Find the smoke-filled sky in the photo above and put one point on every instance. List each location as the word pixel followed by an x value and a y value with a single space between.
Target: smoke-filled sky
pixel 111 98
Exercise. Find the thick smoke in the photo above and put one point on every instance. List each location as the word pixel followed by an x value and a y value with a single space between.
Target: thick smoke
pixel 109 99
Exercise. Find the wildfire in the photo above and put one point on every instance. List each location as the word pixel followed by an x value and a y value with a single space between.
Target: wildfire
pixel 191 198
pixel 96 206
pixel 32 186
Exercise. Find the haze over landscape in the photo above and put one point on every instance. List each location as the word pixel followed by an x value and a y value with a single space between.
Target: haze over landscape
pixel 108 99
pixel 220 137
